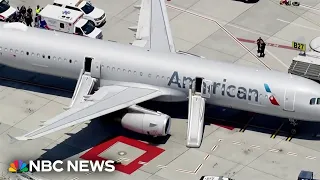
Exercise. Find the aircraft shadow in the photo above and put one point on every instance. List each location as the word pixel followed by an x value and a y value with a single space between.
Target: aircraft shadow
pixel 226 117
pixel 97 132
pixel 21 76
pixel 105 128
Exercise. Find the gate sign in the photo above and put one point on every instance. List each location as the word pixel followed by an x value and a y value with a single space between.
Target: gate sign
pixel 299 46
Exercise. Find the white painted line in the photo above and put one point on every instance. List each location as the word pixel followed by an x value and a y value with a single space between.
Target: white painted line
pixel 88 173
pixel 236 143
pixel 292 154
pixel 141 162
pixel 311 157
pixel 275 57
pixel 214 147
pixel 76 178
pixel 198 168
pixel 161 166
pixel 224 29
pixel 254 146
pixel 298 25
pixel 207 156
pixel 274 150
pixel 184 171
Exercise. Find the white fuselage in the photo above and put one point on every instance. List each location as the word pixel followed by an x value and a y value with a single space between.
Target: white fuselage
pixel 234 86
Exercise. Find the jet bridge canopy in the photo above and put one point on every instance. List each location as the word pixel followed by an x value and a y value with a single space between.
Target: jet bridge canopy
pixel 307 66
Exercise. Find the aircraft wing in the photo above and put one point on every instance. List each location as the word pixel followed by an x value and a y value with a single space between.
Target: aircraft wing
pixel 104 101
pixel 153 31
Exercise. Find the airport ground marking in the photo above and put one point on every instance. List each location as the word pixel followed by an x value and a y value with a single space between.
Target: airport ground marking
pixel 224 29
pixel 214 147
pixel 255 147
pixel 292 154
pixel 236 143
pixel 299 25
pixel 207 157
pixel 311 157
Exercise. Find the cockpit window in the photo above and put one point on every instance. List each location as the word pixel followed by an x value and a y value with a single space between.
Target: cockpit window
pixel 312 101
pixel 318 100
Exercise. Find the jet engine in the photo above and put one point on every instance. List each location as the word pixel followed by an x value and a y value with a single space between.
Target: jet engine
pixel 149 124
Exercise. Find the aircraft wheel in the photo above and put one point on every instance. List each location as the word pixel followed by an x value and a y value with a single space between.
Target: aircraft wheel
pixel 295 3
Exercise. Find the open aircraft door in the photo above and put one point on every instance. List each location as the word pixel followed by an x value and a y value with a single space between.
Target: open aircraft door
pixel 289 100
pixel 96 68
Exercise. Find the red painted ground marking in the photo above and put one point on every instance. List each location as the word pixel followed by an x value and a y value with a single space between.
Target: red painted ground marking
pixel 268 44
pixel 151 153
pixel 226 127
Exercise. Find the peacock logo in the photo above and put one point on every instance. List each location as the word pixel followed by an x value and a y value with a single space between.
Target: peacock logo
pixel 18 166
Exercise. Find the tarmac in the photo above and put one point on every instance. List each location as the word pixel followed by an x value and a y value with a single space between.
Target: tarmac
pixel 225 151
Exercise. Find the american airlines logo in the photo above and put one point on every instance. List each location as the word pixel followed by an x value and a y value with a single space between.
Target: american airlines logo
pixel 226 90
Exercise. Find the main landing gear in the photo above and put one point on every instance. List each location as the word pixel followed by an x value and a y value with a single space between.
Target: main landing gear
pixel 294 124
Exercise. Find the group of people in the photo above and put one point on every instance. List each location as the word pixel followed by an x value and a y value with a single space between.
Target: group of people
pixel 261 47
pixel 25 15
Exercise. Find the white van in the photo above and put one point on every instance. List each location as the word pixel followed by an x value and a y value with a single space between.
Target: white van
pixel 68 21
pixel 6 11
pixel 98 16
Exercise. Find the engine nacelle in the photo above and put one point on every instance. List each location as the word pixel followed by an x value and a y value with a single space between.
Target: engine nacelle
pixel 154 125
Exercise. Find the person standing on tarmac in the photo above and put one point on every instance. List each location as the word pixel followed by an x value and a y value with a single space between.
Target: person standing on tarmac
pixel 29 19
pixel 29 10
pixel 259 45
pixel 263 47
pixel 38 9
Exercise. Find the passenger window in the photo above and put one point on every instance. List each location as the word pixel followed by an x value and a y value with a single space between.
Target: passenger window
pixel 54 58
pixel 17 51
pixel 318 100
pixel 129 71
pixel 32 54
pixel 141 73
pixel 312 101
pixel 5 49
pixel 48 57
pixel 113 69
pixel 65 59
pixel 118 69
pixel 149 75
pixel 43 56
pixel 59 59
pixel 27 53
pixel 0 48
pixel 11 50
pixel 70 61
pixel 61 25
pixel 38 55
pixel 22 52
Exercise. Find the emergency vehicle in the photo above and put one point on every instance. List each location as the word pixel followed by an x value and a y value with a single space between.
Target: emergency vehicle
pixel 98 16
pixel 68 21
pixel 6 11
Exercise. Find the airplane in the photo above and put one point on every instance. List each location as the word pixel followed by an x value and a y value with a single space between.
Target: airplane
pixel 112 76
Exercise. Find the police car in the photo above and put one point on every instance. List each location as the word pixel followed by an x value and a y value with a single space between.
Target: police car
pixel 6 11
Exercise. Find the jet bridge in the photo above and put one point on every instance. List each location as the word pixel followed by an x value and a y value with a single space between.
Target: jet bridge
pixel 201 89
pixel 306 65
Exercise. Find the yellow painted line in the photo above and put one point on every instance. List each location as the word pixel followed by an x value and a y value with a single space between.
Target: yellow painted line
pixel 275 134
